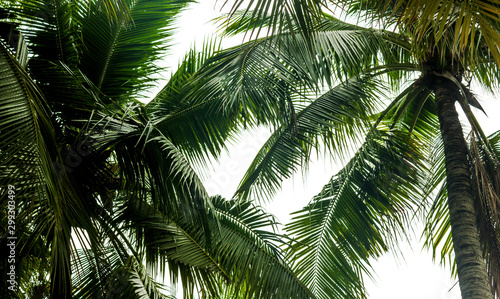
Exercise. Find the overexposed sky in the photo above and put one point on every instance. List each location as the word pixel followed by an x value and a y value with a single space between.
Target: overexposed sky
pixel 417 276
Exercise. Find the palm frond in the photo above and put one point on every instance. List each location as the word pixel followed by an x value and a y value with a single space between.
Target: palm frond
pixel 437 232
pixel 120 57
pixel 338 48
pixel 335 118
pixel 486 188
pixel 243 252
pixel 357 215
pixel 283 15
pixel 467 31
pixel 150 165
pixel 118 54
pixel 248 245
pixel 105 275
pixel 240 21
pixel 199 128
pixel 27 144
pixel 52 32
pixel 29 153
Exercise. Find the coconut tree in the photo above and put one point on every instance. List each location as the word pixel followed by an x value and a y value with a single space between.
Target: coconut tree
pixel 433 52
pixel 102 187
pixel 267 72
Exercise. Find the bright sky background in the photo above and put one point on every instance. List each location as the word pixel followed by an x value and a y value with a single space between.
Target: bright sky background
pixel 414 277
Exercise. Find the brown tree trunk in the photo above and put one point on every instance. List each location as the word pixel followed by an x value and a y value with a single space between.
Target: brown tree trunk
pixel 472 274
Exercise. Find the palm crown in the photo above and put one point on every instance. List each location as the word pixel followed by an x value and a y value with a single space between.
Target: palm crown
pixel 92 162
pixel 106 194
pixel 431 51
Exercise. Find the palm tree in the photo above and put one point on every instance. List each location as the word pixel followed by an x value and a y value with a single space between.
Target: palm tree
pixel 434 52
pixel 105 193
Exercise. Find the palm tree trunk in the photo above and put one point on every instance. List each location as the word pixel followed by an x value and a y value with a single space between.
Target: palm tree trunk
pixel 472 274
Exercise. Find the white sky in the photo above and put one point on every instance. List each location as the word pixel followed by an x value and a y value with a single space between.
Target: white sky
pixel 414 277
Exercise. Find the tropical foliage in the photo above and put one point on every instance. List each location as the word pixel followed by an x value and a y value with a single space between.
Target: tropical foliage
pixel 428 62
pixel 107 199
pixel 108 202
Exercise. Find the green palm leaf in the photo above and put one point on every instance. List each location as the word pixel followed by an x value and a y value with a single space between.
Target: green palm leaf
pixel 354 215
pixel 200 127
pixel 120 57
pixel 107 276
pixel 248 247
pixel 339 112
pixel 242 251
pixel 28 151
pixel 283 15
